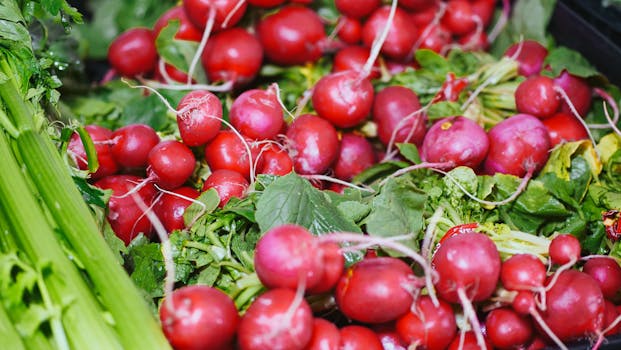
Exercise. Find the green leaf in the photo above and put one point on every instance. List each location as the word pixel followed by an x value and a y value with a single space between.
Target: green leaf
pixel 432 61
pixel 379 171
pixel 410 152
pixel 178 53
pixel 562 58
pixel 209 200
pixel 444 109
pixel 148 268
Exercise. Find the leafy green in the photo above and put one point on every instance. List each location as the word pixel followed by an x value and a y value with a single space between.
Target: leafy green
pixel 562 58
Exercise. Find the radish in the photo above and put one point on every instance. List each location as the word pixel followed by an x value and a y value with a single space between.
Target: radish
pixel 102 138
pixel 563 127
pixel 349 30
pixel 611 315
pixel 199 118
pixel 434 37
pixel 524 302
pixel 458 17
pixel 333 265
pixel 275 161
pixel 131 145
pixel 523 272
pixel 355 155
pixel 277 319
pixel 232 55
pixel 399 117
pixel 227 12
pixel 607 274
pixel 187 30
pixel 456 139
pixel 428 326
pixel 227 183
pixel 402 35
pixel 425 17
pixel 537 96
pixel 508 330
pixel 133 52
pixel 199 317
pixel 293 35
pixel 229 151
pixel 467 341
pixel 577 90
pixel 377 290
pixel 266 3
pixel 171 163
pixel 417 5
pixel 326 336
pixel 170 207
pixel 167 73
pixel 257 114
pixel 353 58
pixel 313 144
pixel 390 339
pixel 530 55
pixel 564 249
pixel 484 9
pixel 354 337
pixel 357 8
pixel 518 145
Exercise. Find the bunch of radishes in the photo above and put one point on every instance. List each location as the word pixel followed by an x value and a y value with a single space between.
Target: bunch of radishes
pixel 477 300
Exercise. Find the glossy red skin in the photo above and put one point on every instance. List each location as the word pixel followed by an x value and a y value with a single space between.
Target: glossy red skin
pixel 326 336
pixel 470 342
pixel 276 161
pixel 132 144
pixel 458 17
pixel 484 9
pixel 578 90
pixel 198 12
pixel 391 105
pixel 333 265
pixel 232 55
pixel 202 117
pixel 474 41
pixel 355 155
pixel 524 302
pixel 530 58
pixel 369 290
pixel 343 98
pixel 171 163
pixel 424 17
pixel 350 30
pixel 287 254
pixel 257 114
pixel 523 272
pixel 435 38
pixel 187 30
pixel 428 326
pixel 607 273
pixel 516 144
pixel 355 337
pixel 401 37
pixel 417 5
pixel 611 314
pixel 264 325
pixel 228 151
pixel 292 36
pixel 353 58
pixel 536 96
pixel 563 127
pixel 313 144
pixel 124 215
pixel 575 296
pixel 357 8
pixel 133 52
pixel 455 139
pixel 469 261
pixel 508 330
pixel 564 248
pixel 201 317
pixel 101 138
pixel 227 183
pixel 173 73
pixel 170 208
pixel 390 339
pixel 266 3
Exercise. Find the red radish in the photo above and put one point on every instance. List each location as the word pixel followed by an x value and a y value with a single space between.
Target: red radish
pixel 458 17
pixel 398 115
pixel 333 266
pixel 390 339
pixel 417 5
pixel 435 37
pixel 187 30
pixel 357 8
pixel 353 58
pixel 428 326
pixel 287 256
pixel 530 55
pixel 349 30
pixel 469 342
pixel 354 337
pixel 228 151
pixel 171 163
pixel 456 139
pixel 459 229
pixel 273 321
pixel 607 274
pixel 275 161
pixel 611 315
pixel 170 207
pixel 508 330
pixel 574 306
pixel 133 52
pixel 101 137
pixel 563 127
pixel 199 317
pixel 266 3
pixel 524 302
pixel 124 214
pixel 536 96
pixel 257 114
pixel 198 12
pixel 200 117
pixel 517 145
pixel 169 72
pixel 376 290
pixel 291 36
pixel 232 55
pixel 228 184
pixel 423 18
pixel 132 143
pixel 484 9
pixel 402 35
pixel 474 41
pixel 355 155
pixel 564 249
pixel 325 336
pixel 523 272
pixel 313 144
pixel 577 89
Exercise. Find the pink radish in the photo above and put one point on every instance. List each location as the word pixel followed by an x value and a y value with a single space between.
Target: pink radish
pixel 227 183
pixel 313 144
pixel 200 117
pixel 257 114
pixel 170 164
pixel 132 143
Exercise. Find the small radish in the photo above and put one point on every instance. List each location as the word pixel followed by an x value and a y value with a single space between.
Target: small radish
pixel 199 317
pixel 229 151
pixel 577 89
pixel 564 249
pixel 171 163
pixel 402 34
pixel 266 3
pixel 227 183
pixel 467 341
pixel 524 302
pixel 607 274
pixel 458 17
pixel 428 326
pixel 133 53
pixel 537 96
pixel 170 207
pixel 355 337
pixel 225 10
pixel 611 315
pixel 132 143
pixel 390 339
pixel 523 272
pixel 102 138
pixel 355 155
pixel 257 114
pixel 563 127
pixel 508 330
pixel 417 5
pixel 476 40
pixel 200 117
pixel 333 266
pixel 398 115
pixel 530 55
pixel 357 8
pixel 434 37
pixel 326 336
pixel 484 9
pixel 423 18
pixel 353 58
pixel 275 161
pixel 169 73
pixel 313 144
pixel 187 30
pixel 349 30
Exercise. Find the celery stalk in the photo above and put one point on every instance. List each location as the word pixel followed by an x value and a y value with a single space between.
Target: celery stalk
pixel 10 338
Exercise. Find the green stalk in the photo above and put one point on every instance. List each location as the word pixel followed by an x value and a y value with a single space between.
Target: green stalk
pixel 82 317
pixel 134 323
pixel 10 338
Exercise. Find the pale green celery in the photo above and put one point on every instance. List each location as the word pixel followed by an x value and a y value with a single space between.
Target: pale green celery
pixel 9 335
pixel 81 316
